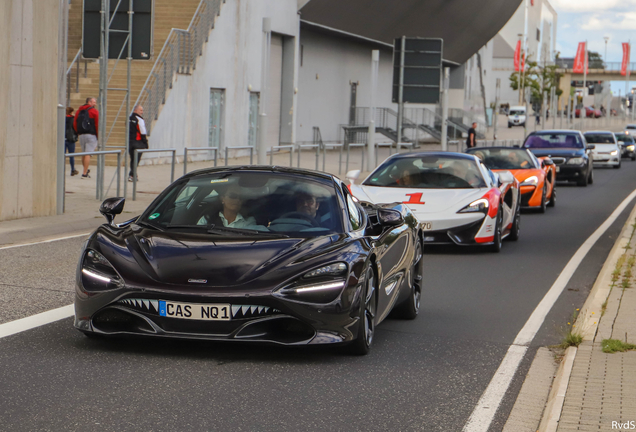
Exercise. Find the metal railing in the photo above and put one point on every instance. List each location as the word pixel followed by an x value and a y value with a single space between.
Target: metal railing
pixel 136 163
pixel 101 153
pixel 380 145
pixel 282 147
pixel 69 71
pixel 250 148
pixel 349 147
pixel 308 146
pixel 324 154
pixel 178 55
pixel 187 149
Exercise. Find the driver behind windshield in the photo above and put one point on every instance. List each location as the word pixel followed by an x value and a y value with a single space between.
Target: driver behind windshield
pixel 229 216
pixel 308 205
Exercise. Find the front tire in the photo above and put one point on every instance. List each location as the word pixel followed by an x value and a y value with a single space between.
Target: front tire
pixel 553 198
pixel 583 182
pixel 410 308
pixel 368 310
pixel 516 225
pixel 618 166
pixel 497 242
pixel 544 204
pixel 591 178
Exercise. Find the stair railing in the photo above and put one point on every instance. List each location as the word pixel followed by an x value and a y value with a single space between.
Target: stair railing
pixel 69 76
pixel 177 56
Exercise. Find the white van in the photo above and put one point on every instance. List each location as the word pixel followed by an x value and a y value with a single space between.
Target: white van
pixel 517 116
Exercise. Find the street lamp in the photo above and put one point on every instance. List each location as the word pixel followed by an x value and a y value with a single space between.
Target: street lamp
pixel 606 40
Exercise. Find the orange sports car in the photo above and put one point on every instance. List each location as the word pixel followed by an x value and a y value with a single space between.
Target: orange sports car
pixel 536 176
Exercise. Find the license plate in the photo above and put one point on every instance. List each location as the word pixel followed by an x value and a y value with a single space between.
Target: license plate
pixel 558 169
pixel 195 311
pixel 427 226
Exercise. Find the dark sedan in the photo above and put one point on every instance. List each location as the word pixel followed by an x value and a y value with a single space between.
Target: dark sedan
pixel 568 150
pixel 626 141
pixel 260 254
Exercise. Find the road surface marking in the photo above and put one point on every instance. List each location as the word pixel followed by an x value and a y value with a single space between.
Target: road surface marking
pixel 34 321
pixel 44 241
pixel 486 408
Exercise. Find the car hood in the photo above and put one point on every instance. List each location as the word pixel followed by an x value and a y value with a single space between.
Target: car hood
pixel 604 147
pixel 216 261
pixel 522 174
pixel 560 152
pixel 431 201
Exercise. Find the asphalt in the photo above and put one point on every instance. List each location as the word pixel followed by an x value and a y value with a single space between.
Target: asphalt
pixel 426 374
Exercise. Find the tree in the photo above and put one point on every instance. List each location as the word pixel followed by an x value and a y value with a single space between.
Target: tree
pixel 539 80
pixel 594 60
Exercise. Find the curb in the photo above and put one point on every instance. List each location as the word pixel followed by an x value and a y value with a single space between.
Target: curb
pixel 588 320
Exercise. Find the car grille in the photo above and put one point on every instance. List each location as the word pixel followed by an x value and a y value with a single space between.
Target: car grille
pixel 238 311
pixel 558 160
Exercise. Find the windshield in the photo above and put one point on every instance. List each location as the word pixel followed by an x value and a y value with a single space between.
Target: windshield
pixel 599 138
pixel 428 172
pixel 496 159
pixel 627 139
pixel 248 202
pixel 517 112
pixel 554 140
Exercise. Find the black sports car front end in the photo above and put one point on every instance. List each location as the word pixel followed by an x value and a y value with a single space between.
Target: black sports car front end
pixel 285 273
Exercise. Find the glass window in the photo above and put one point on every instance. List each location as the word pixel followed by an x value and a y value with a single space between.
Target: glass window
pixel 354 213
pixel 508 158
pixel 599 138
pixel 428 172
pixel 258 201
pixel 554 140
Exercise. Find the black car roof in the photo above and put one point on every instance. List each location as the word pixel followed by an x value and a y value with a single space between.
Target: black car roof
pixel 470 150
pixel 264 168
pixel 554 131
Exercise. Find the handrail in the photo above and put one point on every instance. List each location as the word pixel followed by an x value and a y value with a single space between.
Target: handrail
pixel 79 52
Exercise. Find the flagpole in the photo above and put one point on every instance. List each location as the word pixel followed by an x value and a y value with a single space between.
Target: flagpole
pixel 627 72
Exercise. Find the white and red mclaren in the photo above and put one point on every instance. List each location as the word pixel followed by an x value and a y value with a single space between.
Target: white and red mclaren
pixel 456 198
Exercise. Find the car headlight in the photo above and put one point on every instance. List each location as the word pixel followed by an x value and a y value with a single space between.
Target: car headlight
pixel 480 205
pixel 328 270
pixel 98 274
pixel 530 181
pixel 614 153
pixel 575 161
pixel 630 148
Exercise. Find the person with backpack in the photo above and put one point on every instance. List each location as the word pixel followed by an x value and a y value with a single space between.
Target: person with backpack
pixel 70 138
pixel 137 138
pixel 86 124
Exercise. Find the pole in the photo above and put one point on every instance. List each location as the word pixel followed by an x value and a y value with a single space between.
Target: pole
pixel 262 117
pixel 525 123
pixel 495 114
pixel 128 77
pixel 554 107
pixel 61 160
pixel 445 86
pixel 375 62
pixel 583 110
pixel 544 109
pixel 627 72
pixel 400 118
pixel 521 74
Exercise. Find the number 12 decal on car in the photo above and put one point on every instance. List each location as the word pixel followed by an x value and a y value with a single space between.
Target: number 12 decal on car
pixel 416 198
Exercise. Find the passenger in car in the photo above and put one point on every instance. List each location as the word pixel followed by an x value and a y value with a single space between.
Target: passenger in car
pixel 229 216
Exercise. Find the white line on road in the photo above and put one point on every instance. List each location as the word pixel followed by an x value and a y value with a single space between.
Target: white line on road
pixel 44 241
pixel 34 321
pixel 486 408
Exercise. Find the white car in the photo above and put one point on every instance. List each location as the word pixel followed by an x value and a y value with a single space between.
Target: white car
pixel 455 197
pixel 517 116
pixel 606 150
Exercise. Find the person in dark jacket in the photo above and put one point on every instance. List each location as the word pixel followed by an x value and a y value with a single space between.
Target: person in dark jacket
pixel 70 139
pixel 137 138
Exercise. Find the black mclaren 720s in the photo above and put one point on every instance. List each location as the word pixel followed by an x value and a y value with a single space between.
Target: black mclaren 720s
pixel 259 254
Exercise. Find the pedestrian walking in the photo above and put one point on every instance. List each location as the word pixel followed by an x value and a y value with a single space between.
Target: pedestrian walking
pixel 537 118
pixel 70 139
pixel 472 136
pixel 137 139
pixel 86 124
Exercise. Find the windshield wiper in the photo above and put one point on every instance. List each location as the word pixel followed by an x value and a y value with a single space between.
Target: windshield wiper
pixel 150 225
pixel 243 231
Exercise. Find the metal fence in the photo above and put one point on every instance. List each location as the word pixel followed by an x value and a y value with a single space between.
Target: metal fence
pixel 100 154
pixel 136 154
pixel 178 55
pixel 189 149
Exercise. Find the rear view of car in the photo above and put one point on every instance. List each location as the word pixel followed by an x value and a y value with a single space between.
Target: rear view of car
pixel 569 152
pixel 626 143
pixel 606 150
pixel 517 116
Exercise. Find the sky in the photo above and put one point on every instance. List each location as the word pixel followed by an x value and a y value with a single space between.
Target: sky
pixel 592 20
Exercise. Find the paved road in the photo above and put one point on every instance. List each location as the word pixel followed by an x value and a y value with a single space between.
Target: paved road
pixel 426 374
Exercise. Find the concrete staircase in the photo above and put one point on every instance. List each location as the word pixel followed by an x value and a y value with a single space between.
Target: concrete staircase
pixel 167 14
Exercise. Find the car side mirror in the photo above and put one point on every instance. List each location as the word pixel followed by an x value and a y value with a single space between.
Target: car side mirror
pixel 111 207
pixel 591 147
pixel 352 176
pixel 548 162
pixel 390 217
pixel 506 177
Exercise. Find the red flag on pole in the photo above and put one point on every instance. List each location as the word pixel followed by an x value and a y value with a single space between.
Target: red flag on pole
pixel 517 56
pixel 580 61
pixel 626 55
pixel 523 62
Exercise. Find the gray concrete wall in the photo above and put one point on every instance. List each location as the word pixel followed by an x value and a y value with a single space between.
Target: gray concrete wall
pixel 28 102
